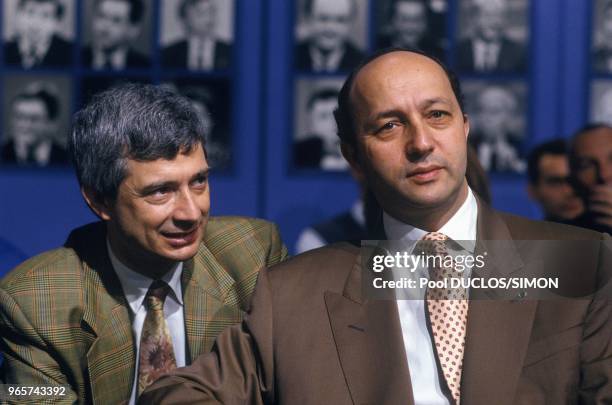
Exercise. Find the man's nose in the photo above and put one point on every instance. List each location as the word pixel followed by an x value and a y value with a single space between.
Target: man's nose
pixel 419 141
pixel 604 173
pixel 186 208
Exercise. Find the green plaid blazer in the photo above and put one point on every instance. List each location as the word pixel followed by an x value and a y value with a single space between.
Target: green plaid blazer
pixel 64 318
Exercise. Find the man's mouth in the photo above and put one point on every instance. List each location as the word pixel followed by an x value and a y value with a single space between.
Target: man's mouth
pixel 181 239
pixel 424 174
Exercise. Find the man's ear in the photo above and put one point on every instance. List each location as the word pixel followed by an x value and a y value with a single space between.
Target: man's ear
pixel 466 125
pixel 351 155
pixel 97 204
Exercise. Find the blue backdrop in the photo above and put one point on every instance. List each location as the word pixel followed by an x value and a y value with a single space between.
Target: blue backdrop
pixel 39 207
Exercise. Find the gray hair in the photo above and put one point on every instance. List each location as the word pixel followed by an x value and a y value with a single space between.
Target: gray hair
pixel 130 121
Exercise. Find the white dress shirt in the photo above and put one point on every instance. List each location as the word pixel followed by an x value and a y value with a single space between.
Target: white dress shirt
pixel 135 287
pixel 328 62
pixel 486 54
pixel 200 53
pixel 116 59
pixel 426 388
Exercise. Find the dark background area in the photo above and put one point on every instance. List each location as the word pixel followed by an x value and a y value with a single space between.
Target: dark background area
pixel 38 207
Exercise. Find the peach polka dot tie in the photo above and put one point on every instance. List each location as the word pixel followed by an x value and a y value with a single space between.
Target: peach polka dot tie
pixel 447 309
pixel 156 351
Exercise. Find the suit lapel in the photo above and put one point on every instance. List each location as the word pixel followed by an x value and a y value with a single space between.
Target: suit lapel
pixel 369 341
pixel 207 290
pixel 111 357
pixel 498 330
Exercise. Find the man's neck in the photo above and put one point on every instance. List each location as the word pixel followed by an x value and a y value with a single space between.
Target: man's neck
pixel 431 219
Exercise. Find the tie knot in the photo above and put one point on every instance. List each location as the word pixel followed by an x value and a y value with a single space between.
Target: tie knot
pixel 158 291
pixel 433 243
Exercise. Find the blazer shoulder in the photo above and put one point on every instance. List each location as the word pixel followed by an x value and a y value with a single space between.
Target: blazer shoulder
pixel 523 228
pixel 239 242
pixel 325 268
pixel 43 278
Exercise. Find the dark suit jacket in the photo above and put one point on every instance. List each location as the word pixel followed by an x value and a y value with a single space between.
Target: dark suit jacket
pixel 312 337
pixel 58 156
pixel 512 57
pixel 175 55
pixel 133 60
pixel 59 53
pixel 64 318
pixel 351 58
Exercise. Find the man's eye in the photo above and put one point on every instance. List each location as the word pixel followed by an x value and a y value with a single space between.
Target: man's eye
pixel 201 181
pixel 387 127
pixel 160 192
pixel 437 114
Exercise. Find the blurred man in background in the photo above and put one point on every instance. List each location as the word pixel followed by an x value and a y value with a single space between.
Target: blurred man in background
pixel 320 148
pixel 33 124
pixel 409 28
pixel 201 49
pixel 327 47
pixel 591 172
pixel 496 136
pixel 489 49
pixel 549 182
pixel 37 42
pixel 114 27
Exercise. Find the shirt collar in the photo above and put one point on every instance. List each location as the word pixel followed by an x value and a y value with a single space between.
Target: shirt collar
pixel 135 285
pixel 461 227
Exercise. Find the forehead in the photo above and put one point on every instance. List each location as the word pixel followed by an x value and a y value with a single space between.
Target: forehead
pixel 593 142
pixel 399 77
pixel 183 165
pixel 554 162
pixel 31 106
pixel 331 7
pixel 121 7
pixel 409 8
pixel 41 5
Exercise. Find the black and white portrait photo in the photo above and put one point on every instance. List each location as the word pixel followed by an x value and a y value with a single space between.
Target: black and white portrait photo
pixel 211 98
pixel 601 102
pixel 493 36
pixel 117 34
pixel 36 120
pixel 38 33
pixel 498 124
pixel 602 36
pixel 315 143
pixel 197 34
pixel 331 35
pixel 413 24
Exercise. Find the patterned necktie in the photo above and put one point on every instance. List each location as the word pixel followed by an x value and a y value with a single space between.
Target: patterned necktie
pixel 447 309
pixel 156 351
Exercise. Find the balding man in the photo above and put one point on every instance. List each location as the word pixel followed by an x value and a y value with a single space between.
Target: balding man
pixel 315 334
pixel 489 49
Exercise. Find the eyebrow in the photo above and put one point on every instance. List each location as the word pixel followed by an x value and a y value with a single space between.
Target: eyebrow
pixel 424 104
pixel 161 184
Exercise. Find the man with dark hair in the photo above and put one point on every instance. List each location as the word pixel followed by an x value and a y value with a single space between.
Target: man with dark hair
pixel 320 148
pixel 200 49
pixel 549 182
pixel 327 47
pixel 37 42
pixel 148 287
pixel 115 25
pixel 591 173
pixel 317 333
pixel 489 49
pixel 33 124
pixel 408 28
